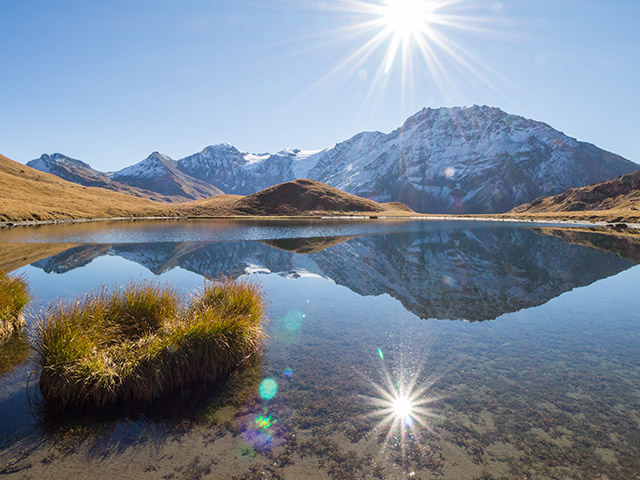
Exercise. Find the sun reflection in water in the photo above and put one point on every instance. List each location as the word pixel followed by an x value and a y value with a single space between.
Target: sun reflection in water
pixel 404 410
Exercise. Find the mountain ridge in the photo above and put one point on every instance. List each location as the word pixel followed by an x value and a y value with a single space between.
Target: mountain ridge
pixel 476 159
pixel 171 187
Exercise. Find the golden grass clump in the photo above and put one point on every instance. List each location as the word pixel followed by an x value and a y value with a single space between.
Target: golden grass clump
pixel 14 295
pixel 140 342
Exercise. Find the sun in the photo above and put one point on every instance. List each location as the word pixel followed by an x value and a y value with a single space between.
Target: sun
pixel 407 24
pixel 407 18
pixel 405 47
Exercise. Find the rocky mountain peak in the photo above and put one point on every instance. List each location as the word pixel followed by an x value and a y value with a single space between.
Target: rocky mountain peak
pixel 46 162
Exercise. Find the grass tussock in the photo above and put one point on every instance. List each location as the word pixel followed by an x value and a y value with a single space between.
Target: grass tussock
pixel 140 342
pixel 14 295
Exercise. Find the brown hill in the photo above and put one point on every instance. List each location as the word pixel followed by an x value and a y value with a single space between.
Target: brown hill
pixel 28 194
pixel 301 197
pixel 614 200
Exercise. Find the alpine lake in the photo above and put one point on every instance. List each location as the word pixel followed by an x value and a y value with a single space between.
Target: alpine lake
pixel 396 350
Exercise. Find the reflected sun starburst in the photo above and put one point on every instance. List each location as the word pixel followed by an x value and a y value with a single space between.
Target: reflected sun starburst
pixel 402 408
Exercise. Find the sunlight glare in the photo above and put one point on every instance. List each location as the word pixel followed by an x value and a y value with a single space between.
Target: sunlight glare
pixel 402 407
pixel 407 17
pixel 403 411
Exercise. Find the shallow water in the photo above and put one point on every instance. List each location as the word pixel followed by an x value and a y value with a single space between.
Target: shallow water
pixel 519 351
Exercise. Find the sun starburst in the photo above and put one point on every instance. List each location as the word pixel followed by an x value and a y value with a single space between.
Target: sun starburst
pixel 405 44
pixel 403 409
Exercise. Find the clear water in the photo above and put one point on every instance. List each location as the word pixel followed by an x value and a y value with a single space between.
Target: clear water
pixel 399 350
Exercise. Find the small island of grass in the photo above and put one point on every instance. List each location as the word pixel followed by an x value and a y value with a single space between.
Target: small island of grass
pixel 14 295
pixel 139 342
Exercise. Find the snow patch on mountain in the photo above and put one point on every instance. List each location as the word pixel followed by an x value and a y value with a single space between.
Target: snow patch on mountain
pixel 47 162
pixel 153 166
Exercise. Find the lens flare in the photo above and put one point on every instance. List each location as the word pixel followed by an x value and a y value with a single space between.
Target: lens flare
pixel 263 422
pixel 293 320
pixel 268 388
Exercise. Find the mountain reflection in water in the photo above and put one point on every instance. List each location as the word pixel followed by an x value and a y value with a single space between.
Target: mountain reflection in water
pixel 470 274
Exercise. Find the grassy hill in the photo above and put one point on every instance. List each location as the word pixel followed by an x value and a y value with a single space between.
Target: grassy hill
pixel 615 201
pixel 298 197
pixel 28 194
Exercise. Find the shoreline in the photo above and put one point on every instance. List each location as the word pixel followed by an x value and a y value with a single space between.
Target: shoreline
pixel 425 217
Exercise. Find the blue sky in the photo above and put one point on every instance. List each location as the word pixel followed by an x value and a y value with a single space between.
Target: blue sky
pixel 110 81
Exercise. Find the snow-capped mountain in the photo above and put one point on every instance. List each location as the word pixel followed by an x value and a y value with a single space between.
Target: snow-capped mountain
pixel 449 160
pixel 245 173
pixel 467 160
pixel 159 173
pixel 446 160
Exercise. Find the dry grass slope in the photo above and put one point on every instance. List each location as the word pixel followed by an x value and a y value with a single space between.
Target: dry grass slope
pixel 28 194
pixel 615 200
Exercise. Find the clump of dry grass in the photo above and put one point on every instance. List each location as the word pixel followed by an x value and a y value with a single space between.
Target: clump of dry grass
pixel 14 295
pixel 140 342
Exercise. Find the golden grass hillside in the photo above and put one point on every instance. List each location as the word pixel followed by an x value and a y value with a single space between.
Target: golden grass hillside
pixel 616 200
pixel 28 194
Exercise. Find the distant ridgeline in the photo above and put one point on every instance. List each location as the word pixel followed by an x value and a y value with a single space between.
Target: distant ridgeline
pixel 446 160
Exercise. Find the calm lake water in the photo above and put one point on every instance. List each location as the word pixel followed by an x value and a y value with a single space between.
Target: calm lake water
pixel 518 349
